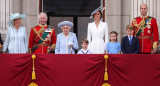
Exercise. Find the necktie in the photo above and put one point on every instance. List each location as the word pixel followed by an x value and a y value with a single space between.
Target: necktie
pixel 130 39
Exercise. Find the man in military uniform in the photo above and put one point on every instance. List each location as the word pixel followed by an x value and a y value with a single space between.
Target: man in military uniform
pixel 146 30
pixel 42 37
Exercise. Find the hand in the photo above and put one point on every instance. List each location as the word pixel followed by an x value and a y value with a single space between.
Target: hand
pixel 70 43
pixel 50 48
pixel 153 51
pixel 4 52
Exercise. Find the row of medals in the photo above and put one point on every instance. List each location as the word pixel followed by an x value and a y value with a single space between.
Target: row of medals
pixel 149 27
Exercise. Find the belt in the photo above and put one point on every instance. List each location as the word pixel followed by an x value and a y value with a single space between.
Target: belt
pixel 41 44
pixel 144 37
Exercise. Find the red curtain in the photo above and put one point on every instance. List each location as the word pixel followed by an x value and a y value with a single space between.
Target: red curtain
pixel 79 70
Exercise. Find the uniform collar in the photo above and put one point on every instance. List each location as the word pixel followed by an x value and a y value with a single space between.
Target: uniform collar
pixel 144 16
pixel 43 25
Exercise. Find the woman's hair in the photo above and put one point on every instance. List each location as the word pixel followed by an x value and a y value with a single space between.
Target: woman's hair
pixel 100 14
pixel 84 41
pixel 114 32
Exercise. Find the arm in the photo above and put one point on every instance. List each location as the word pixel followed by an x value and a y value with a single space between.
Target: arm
pixel 123 46
pixel 75 43
pixel 53 39
pixel 107 48
pixel 57 48
pixel 25 40
pixel 31 41
pixel 119 48
pixel 137 46
pixel 106 33
pixel 1 42
pixel 7 41
pixel 155 34
pixel 89 36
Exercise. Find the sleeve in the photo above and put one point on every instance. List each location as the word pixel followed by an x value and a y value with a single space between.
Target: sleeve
pixel 134 21
pixel 107 46
pixel 25 39
pixel 31 41
pixel 7 41
pixel 137 46
pixel 89 36
pixel 75 42
pixel 106 33
pixel 1 40
pixel 123 46
pixel 119 47
pixel 155 34
pixel 53 39
pixel 57 49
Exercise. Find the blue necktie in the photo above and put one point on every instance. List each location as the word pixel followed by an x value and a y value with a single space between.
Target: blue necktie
pixel 130 39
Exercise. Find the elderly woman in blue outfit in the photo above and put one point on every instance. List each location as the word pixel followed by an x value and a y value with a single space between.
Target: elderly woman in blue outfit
pixel 66 41
pixel 16 40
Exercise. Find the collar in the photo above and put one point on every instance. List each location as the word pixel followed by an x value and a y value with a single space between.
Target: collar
pixel 131 36
pixel 144 16
pixel 43 25
pixel 85 51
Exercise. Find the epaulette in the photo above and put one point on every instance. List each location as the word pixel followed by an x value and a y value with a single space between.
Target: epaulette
pixel 137 17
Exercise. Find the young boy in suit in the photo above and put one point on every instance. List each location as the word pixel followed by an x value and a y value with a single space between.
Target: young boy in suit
pixel 130 44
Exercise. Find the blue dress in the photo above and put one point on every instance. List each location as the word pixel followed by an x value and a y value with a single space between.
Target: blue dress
pixel 16 40
pixel 62 46
pixel 113 47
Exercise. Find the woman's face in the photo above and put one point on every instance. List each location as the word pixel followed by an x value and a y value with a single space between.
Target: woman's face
pixel 17 22
pixel 97 15
pixel 65 29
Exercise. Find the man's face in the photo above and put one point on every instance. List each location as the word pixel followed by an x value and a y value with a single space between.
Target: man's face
pixel 42 19
pixel 130 32
pixel 143 10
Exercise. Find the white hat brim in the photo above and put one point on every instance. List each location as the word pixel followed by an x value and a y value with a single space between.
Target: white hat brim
pixel 67 23
pixel 22 16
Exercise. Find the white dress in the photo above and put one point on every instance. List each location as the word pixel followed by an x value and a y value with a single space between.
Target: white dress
pixel 96 37
pixel 16 40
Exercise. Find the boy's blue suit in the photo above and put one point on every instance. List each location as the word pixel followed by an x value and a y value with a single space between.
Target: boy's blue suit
pixel 128 48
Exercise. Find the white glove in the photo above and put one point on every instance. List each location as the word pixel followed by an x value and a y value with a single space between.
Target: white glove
pixel 70 43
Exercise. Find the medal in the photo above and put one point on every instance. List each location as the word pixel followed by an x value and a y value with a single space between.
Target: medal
pixel 148 26
pixel 149 31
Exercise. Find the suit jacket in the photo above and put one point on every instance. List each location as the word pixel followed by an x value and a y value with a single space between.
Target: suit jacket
pixel 128 48
pixel 1 40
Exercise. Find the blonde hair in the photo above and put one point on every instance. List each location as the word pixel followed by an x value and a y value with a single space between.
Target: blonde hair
pixel 129 26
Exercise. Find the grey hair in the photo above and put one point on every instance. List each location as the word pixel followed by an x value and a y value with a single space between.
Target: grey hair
pixel 41 14
pixel 67 25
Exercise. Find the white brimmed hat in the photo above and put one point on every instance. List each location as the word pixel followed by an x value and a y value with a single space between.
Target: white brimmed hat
pixel 15 16
pixel 98 9
pixel 68 23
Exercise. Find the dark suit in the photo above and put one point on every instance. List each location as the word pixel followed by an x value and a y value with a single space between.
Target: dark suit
pixel 1 40
pixel 128 48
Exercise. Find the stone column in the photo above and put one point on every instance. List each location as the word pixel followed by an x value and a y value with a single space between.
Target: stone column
pixel 113 13
pixel 31 9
